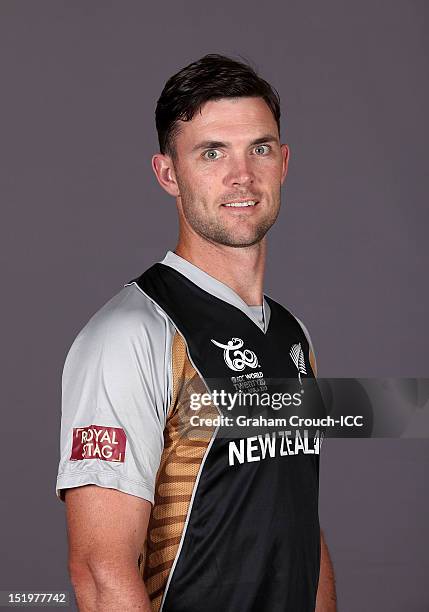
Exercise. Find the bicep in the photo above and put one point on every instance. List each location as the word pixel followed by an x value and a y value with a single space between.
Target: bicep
pixel 105 525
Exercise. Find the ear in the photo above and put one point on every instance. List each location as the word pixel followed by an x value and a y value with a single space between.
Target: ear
pixel 163 167
pixel 285 155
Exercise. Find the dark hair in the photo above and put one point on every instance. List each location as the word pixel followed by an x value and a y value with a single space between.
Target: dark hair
pixel 212 77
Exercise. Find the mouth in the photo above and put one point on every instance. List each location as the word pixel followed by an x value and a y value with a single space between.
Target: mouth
pixel 240 204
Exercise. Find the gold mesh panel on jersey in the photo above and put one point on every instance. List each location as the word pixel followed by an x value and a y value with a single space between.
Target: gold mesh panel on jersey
pixel 184 449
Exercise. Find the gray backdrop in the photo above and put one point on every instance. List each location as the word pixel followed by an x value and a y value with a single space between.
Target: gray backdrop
pixel 83 214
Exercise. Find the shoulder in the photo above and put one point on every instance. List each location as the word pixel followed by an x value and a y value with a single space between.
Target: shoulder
pixel 117 375
pixel 128 335
pixel 128 317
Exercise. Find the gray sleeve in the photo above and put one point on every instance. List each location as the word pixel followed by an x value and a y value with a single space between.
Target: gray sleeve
pixel 115 398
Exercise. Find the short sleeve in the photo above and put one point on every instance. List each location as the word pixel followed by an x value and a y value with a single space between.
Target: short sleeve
pixel 116 391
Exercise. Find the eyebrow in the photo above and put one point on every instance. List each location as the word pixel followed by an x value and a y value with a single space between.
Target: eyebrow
pixel 214 144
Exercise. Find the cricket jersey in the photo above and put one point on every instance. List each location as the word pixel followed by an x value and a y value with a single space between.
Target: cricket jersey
pixel 153 393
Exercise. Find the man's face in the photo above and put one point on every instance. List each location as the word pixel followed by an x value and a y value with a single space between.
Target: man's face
pixel 229 167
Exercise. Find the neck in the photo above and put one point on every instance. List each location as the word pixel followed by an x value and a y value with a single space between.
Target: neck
pixel 242 269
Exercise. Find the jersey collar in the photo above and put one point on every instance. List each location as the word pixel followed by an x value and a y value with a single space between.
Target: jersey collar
pixel 215 287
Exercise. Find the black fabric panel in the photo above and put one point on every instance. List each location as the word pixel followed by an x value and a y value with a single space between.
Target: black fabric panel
pixel 252 543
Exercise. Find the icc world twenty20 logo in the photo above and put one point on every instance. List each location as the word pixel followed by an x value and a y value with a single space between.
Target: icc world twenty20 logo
pixel 236 359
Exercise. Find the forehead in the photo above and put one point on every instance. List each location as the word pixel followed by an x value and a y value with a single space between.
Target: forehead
pixel 229 119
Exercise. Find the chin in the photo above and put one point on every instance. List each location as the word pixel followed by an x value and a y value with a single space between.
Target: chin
pixel 242 241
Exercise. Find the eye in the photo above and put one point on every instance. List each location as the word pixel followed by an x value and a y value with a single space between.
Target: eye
pixel 211 154
pixel 262 149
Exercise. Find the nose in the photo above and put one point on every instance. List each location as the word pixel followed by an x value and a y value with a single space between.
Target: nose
pixel 240 172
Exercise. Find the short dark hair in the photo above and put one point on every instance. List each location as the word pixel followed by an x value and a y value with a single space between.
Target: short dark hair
pixel 212 77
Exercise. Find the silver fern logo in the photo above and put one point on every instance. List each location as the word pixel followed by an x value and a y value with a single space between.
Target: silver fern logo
pixel 297 356
pixel 234 358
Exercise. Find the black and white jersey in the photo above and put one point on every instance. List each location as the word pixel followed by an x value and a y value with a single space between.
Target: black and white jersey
pixel 151 406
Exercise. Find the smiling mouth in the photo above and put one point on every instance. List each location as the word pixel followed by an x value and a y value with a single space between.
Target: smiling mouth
pixel 240 204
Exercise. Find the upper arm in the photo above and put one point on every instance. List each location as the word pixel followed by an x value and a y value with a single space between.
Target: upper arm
pixel 115 398
pixel 106 527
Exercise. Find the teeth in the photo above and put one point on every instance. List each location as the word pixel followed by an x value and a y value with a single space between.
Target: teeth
pixel 240 204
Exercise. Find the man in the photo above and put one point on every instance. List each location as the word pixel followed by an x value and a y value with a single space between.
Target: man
pixel 166 513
